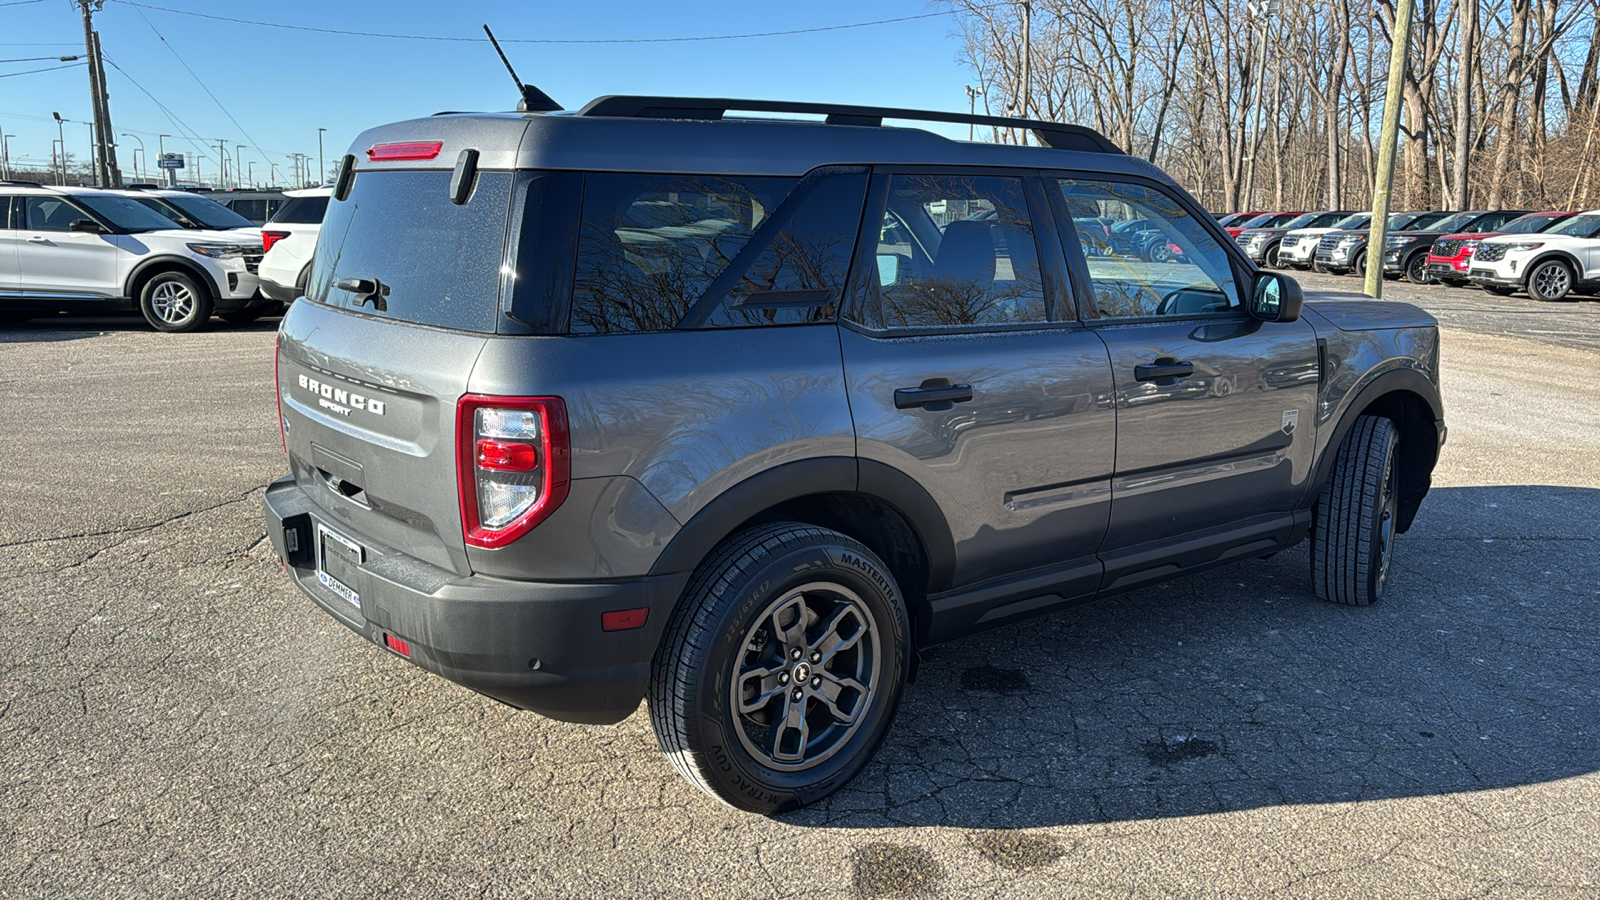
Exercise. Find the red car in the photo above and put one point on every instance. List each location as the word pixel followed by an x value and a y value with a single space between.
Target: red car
pixel 1265 220
pixel 1451 255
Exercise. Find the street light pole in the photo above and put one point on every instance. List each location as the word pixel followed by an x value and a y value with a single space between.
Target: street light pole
pixel 161 151
pixel 251 178
pixel 972 107
pixel 61 133
pixel 222 170
pixel 5 156
pixel 322 167
pixel 238 160
pixel 136 173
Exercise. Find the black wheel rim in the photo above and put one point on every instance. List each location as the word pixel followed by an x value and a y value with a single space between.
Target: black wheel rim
pixel 805 675
pixel 1388 509
pixel 1416 269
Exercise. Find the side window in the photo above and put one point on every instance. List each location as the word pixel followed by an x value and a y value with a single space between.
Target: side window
pixel 1146 255
pixel 254 210
pixel 5 213
pixel 649 246
pixel 958 250
pixel 49 213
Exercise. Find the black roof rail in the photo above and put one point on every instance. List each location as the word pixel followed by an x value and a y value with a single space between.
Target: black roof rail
pixel 1051 134
pixel 17 182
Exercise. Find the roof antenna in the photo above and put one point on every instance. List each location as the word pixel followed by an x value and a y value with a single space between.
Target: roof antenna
pixel 533 99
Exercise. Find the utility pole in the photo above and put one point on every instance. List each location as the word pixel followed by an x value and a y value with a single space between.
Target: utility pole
pixel 5 155
pixel 161 151
pixel 1260 10
pixel 222 170
pixel 105 164
pixel 251 179
pixel 322 166
pixel 972 107
pixel 238 160
pixel 1379 232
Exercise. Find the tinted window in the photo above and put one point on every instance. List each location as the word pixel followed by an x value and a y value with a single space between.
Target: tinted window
pixel 155 205
pixel 1176 268
pixel 958 250
pixel 649 246
pixel 1530 224
pixel 209 213
pixel 52 214
pixel 1325 220
pixel 1448 224
pixel 1424 221
pixel 437 263
pixel 302 210
pixel 5 213
pixel 1579 226
pixel 124 213
pixel 1359 220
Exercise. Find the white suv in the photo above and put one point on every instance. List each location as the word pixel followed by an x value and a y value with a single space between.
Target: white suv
pixel 1551 265
pixel 91 251
pixel 1299 247
pixel 289 238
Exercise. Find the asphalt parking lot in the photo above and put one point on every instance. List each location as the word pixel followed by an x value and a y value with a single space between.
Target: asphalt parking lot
pixel 177 720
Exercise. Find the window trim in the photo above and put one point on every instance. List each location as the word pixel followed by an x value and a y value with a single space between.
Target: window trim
pixel 862 308
pixel 1244 270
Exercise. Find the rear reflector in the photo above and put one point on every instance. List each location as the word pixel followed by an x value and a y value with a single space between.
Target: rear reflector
pixel 404 150
pixel 397 645
pixel 624 619
pixel 268 238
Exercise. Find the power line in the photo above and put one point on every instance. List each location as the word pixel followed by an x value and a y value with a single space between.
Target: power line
pixel 39 59
pixel 184 131
pixel 36 71
pixel 21 2
pixel 479 40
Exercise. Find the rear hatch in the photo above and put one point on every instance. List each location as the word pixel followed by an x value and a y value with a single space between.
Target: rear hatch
pixel 404 291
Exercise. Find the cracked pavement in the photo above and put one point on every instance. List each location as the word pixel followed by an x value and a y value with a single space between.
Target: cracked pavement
pixel 177 719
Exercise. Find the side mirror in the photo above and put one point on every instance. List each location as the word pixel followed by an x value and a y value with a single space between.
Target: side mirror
pixel 1276 298
pixel 888 269
pixel 86 226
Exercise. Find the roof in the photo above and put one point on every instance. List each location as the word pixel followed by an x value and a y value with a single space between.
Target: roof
pixel 695 136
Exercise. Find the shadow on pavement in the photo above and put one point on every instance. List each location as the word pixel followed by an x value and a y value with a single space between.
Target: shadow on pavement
pixel 74 328
pixel 1237 689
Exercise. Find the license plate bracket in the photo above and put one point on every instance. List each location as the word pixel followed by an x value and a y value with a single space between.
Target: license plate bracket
pixel 339 562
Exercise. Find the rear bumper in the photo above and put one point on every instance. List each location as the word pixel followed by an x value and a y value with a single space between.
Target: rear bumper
pixel 536 646
pixel 277 292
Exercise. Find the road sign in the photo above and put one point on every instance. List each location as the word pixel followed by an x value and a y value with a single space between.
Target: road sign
pixel 170 161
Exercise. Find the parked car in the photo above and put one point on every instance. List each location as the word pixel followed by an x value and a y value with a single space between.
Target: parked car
pixel 1405 254
pixel 1552 265
pixel 289 239
pixel 91 251
pixel 190 210
pixel 1299 247
pixel 257 206
pixel 1236 219
pixel 1450 258
pixel 1342 252
pixel 589 408
pixel 1265 220
pixel 1261 244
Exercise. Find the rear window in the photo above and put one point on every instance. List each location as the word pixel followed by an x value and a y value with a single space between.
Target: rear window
pixel 398 248
pixel 302 210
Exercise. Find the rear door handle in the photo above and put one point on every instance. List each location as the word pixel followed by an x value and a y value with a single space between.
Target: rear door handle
pixel 1164 371
pixel 38 239
pixel 936 394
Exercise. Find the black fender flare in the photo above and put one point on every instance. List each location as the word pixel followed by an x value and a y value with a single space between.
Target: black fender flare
pixel 1393 381
pixel 189 265
pixel 821 475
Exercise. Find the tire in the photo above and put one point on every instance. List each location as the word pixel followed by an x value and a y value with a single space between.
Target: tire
pixel 1358 266
pixel 1551 280
pixel 1160 252
pixel 1269 257
pixel 175 302
pixel 1353 543
pixel 726 668
pixel 1417 268
pixel 1498 290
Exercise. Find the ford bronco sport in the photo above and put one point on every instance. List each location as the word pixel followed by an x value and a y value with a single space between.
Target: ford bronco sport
pixel 734 415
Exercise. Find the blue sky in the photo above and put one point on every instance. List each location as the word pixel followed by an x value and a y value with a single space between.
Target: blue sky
pixel 282 85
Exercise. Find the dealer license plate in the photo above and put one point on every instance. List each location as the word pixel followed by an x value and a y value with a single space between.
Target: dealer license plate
pixel 339 564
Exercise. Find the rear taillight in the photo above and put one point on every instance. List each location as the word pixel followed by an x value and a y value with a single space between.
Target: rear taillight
pixel 513 465
pixel 268 238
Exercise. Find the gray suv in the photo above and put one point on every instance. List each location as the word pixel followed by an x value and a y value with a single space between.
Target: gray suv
pixel 736 415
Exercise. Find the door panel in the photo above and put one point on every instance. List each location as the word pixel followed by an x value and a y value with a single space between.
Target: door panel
pixel 59 262
pixel 1022 470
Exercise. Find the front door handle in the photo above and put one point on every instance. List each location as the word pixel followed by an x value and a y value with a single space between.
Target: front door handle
pixel 935 394
pixel 1164 371
pixel 38 239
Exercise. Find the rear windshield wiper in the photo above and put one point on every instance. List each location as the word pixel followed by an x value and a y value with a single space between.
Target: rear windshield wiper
pixel 366 289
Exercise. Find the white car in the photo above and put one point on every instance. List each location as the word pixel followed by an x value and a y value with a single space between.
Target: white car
pixel 190 210
pixel 289 239
pixel 1551 265
pixel 90 251
pixel 1299 247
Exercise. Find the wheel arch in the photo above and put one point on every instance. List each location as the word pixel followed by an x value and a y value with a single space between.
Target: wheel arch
pixel 876 504
pixel 1409 399
pixel 1563 255
pixel 150 268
